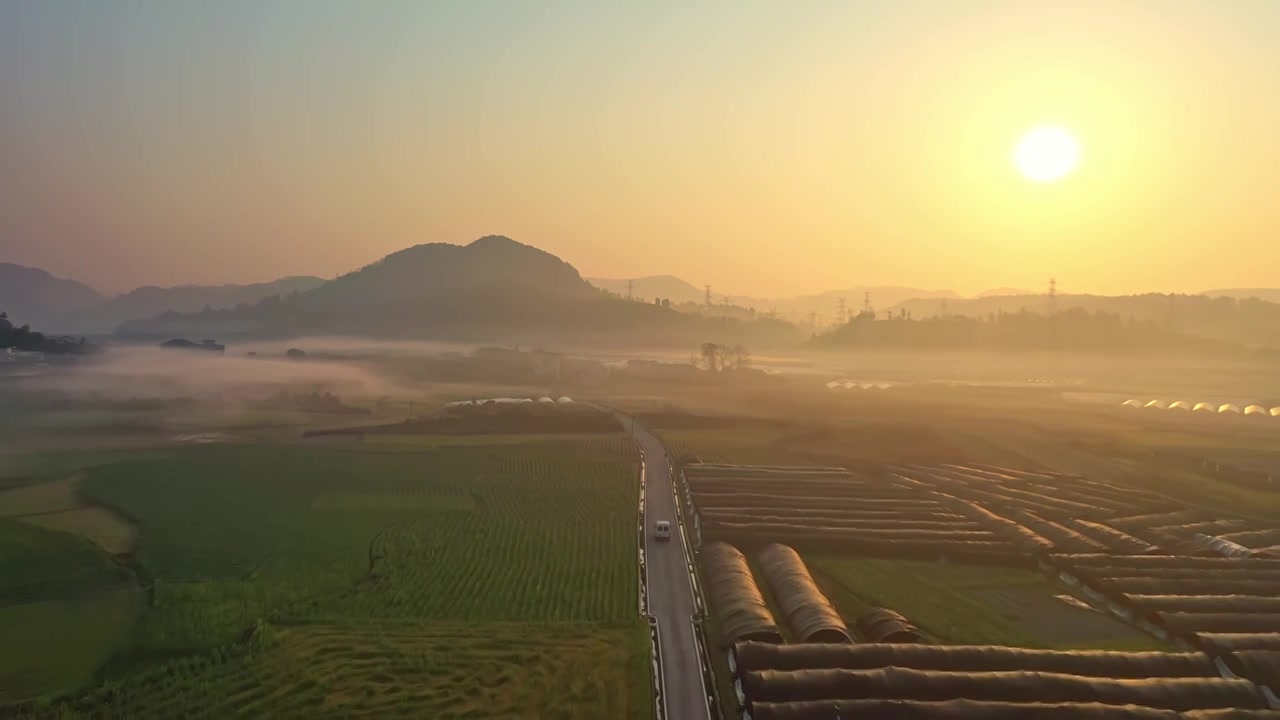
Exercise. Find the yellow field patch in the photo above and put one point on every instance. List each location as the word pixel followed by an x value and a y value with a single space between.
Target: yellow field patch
pixel 55 505
pixel 40 498
pixel 97 524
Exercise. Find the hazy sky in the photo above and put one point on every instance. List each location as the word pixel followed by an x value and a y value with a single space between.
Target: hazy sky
pixel 763 147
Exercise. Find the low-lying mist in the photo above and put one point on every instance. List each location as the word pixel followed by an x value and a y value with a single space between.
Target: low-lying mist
pixel 133 372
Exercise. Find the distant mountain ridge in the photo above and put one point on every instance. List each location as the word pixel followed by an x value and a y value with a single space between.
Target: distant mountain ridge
pixel 667 287
pixel 150 301
pixel 496 287
pixel 1268 294
pixel 1003 292
pixel 33 296
pixel 440 271
pixel 826 304
pixel 1250 321
pixel 491 290
pixel 678 290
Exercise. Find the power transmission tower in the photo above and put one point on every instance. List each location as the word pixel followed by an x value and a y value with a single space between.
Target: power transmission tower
pixel 944 307
pixel 707 300
pixel 841 312
pixel 866 302
pixel 631 286
pixel 1053 309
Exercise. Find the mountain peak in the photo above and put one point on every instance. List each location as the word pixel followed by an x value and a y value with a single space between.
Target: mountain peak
pixel 494 241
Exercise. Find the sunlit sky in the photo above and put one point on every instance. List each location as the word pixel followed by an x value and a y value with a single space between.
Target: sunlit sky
pixel 763 147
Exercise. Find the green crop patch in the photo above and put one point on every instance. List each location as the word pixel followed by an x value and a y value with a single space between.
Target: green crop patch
pixel 455 567
pixel 393 669
pixel 971 605
pixel 92 523
pixel 474 536
pixel 394 581
pixel 39 564
pixel 57 645
pixel 395 502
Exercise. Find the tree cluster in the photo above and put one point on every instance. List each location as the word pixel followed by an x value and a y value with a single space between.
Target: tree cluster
pixel 26 339
pixel 716 357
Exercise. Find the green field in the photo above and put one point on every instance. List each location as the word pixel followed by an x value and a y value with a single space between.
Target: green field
pixel 54 646
pixel 441 568
pixel 971 605
pixel 38 564
pixel 396 669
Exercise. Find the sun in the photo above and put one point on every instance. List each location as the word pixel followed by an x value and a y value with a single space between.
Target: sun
pixel 1046 154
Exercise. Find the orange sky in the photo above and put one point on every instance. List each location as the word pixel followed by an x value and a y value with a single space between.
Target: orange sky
pixel 765 148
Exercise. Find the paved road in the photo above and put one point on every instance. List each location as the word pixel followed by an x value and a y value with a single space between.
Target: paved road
pixel 670 590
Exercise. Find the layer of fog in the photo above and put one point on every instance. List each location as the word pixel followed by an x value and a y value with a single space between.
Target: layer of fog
pixel 350 347
pixel 150 372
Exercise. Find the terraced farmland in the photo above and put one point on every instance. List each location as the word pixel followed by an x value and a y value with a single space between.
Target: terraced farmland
pixel 484 544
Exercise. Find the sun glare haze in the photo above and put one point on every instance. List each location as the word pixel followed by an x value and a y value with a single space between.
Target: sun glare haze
pixel 1047 153
pixel 640 360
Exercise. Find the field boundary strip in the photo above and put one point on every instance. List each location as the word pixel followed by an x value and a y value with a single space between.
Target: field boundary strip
pixel 657 678
pixel 642 548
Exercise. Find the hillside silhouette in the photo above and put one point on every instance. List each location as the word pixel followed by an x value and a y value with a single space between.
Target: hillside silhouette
pixel 1268 294
pixel 1249 321
pixel 69 306
pixel 666 287
pixel 1074 329
pixel 40 298
pixel 684 293
pixel 145 302
pixel 491 289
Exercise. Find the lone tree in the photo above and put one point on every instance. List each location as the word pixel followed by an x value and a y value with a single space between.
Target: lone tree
pixel 741 358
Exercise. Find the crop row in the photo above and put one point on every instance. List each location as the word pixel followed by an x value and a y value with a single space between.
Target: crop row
pixel 237 534
pixel 456 566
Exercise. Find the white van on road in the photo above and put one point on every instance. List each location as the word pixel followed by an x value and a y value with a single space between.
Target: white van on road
pixel 662 530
